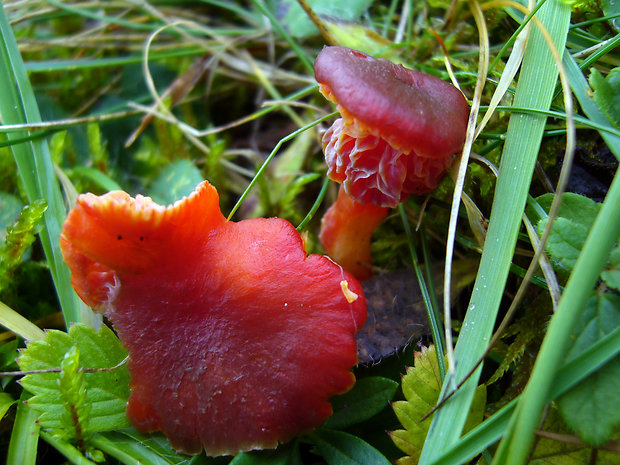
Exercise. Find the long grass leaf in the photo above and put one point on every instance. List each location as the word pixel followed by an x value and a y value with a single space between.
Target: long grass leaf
pixel 492 429
pixel 24 437
pixel 603 236
pixel 523 139
pixel 36 170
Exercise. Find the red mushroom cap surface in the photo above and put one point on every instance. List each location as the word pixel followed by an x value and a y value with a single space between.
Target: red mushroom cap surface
pixel 236 338
pixel 398 130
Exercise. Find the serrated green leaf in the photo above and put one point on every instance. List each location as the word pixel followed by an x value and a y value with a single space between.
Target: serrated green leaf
pixel 177 180
pixel 57 395
pixel 606 92
pixel 407 460
pixel 409 414
pixel 407 442
pixel 422 381
pixel 421 388
pixel 339 448
pixel 592 407
pixel 72 387
pixel 367 398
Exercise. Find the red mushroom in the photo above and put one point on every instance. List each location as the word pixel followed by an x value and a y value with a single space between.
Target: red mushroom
pixel 236 338
pixel 398 131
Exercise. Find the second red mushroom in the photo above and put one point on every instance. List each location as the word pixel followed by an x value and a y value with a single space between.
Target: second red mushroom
pixel 396 137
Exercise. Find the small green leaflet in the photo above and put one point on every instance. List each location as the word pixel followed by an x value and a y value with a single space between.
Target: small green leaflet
pixel 421 387
pixel 611 274
pixel 592 407
pixel 571 227
pixel 177 180
pixel 72 402
pixel 606 92
pixel 367 398
pixel 296 21
pixel 340 448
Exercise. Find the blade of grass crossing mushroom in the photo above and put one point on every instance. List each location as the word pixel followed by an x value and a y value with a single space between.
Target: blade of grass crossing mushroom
pixel 513 38
pixel 510 71
pixel 273 153
pixel 18 106
pixel 492 429
pixel 534 90
pixel 603 235
pixel 460 181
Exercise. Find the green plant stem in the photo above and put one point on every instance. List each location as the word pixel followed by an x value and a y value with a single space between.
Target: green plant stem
pixel 534 90
pixel 273 153
pixel 66 449
pixel 603 236
pixel 315 206
pixel 611 45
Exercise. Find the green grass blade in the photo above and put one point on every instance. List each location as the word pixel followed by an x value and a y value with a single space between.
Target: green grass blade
pixel 24 437
pixel 535 90
pixel 431 311
pixel 71 453
pixel 129 451
pixel 36 170
pixel 492 429
pixel 603 236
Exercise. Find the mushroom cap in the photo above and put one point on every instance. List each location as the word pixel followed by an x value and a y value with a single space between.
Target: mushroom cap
pixel 236 338
pixel 413 111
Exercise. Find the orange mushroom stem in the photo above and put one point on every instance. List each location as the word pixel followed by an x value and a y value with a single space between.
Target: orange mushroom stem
pixel 236 338
pixel 346 230
pixel 397 134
